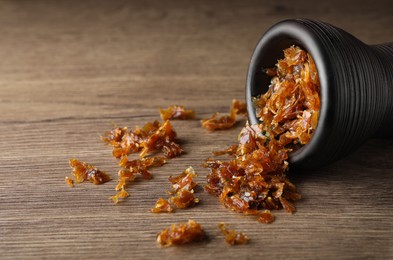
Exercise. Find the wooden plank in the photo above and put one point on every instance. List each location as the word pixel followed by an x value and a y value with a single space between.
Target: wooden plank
pixel 70 70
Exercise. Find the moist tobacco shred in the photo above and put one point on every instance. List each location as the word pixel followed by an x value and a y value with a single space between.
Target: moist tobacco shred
pixel 83 171
pixel 266 217
pixel 231 150
pixel 183 189
pixel 152 138
pixel 131 169
pixel 182 233
pixel 232 237
pixel 289 110
pixel 176 112
pixel 69 181
pixel 255 179
pixel 221 122
pixel 162 206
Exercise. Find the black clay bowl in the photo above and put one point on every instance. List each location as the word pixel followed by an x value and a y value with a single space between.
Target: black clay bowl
pixel 356 87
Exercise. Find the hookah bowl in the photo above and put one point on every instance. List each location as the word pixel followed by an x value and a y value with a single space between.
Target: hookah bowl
pixel 356 87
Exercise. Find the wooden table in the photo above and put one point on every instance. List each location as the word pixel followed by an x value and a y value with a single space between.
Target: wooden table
pixel 70 70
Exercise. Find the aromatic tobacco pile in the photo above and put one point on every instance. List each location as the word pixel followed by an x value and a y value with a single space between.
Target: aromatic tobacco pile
pixel 253 181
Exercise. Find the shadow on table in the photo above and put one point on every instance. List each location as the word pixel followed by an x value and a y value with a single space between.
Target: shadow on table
pixel 372 160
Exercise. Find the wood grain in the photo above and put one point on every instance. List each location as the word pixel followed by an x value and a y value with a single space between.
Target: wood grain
pixel 70 69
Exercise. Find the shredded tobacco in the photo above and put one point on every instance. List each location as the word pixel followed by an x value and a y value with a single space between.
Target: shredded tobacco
pixel 266 217
pixel 131 169
pixel 162 205
pixel 83 171
pixel 140 166
pixel 289 110
pixel 183 189
pixel 153 137
pixel 231 150
pixel 183 181
pixel 180 234
pixel 162 139
pixel 176 112
pixel 255 179
pixel 69 181
pixel 232 237
pixel 238 107
pixel 120 195
pixel 221 122
pixel 184 199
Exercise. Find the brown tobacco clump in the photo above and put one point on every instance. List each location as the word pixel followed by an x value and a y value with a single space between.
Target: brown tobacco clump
pixel 183 181
pixel 266 217
pixel 180 234
pixel 152 137
pixel 290 108
pixel 231 150
pixel 183 189
pixel 182 192
pixel 130 170
pixel 217 122
pixel 120 195
pixel 221 122
pixel 184 199
pixel 255 179
pixel 114 136
pixel 176 112
pixel 238 107
pixel 69 181
pixel 162 205
pixel 232 237
pixel 140 166
pixel 162 139
pixel 125 142
pixel 83 171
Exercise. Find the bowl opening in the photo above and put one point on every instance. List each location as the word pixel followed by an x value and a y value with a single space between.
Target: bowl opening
pixel 267 52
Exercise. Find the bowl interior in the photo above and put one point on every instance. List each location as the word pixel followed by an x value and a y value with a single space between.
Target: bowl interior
pixel 267 52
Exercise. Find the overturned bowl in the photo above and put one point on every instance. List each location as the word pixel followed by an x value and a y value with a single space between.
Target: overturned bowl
pixel 356 82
